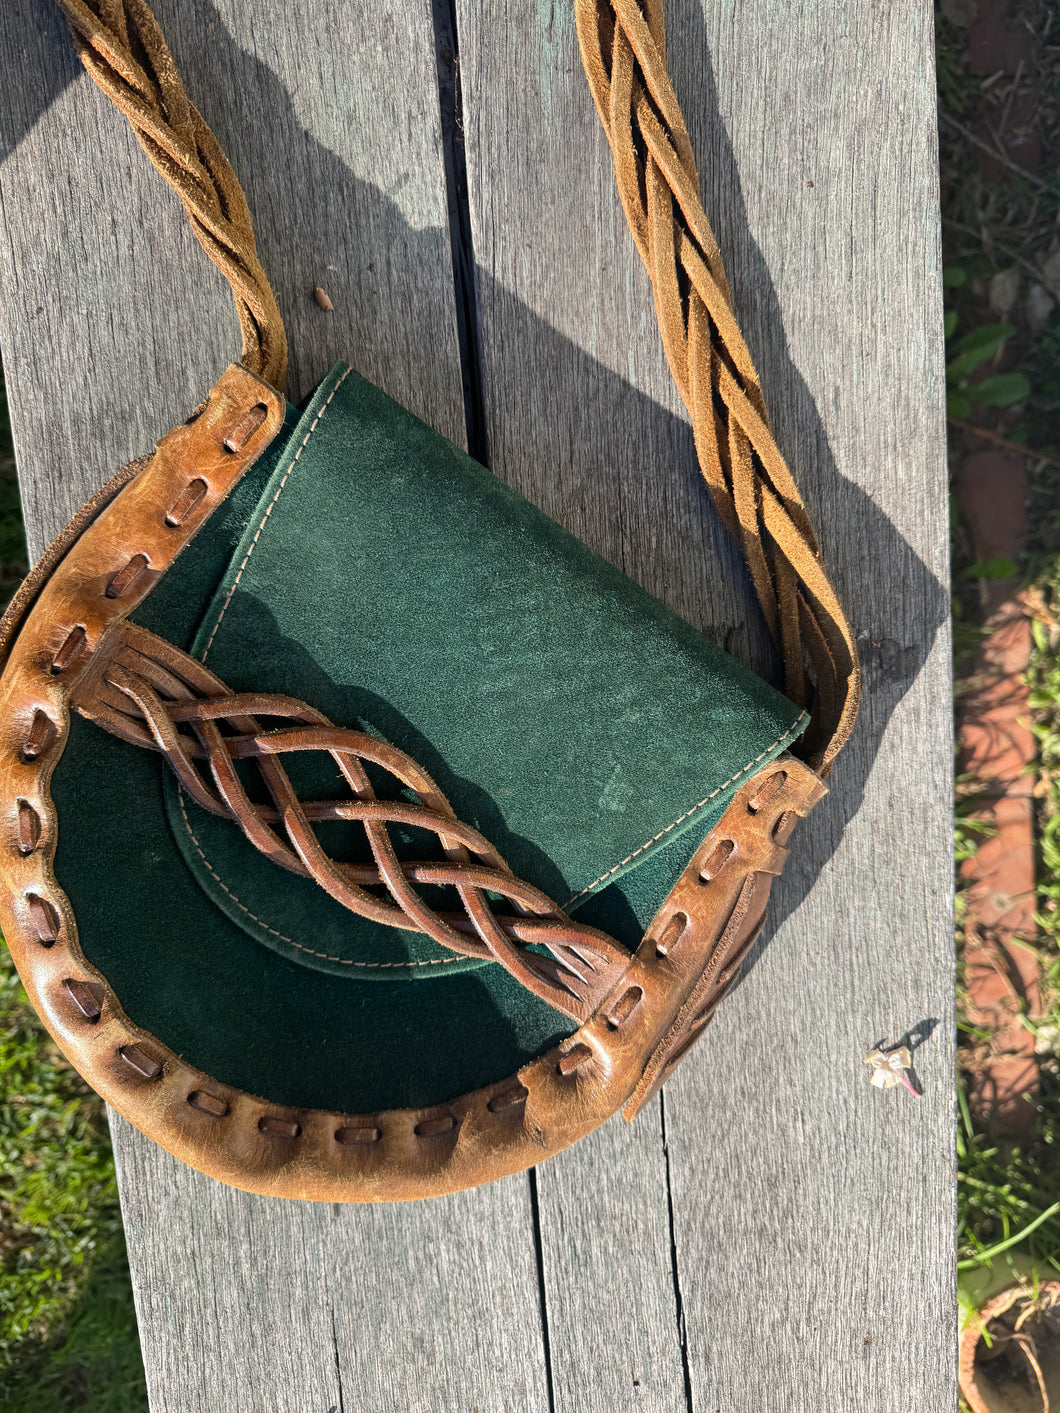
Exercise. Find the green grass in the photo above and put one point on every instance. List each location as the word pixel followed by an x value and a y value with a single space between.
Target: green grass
pixel 1009 1189
pixel 67 1330
pixel 1003 370
pixel 92 1361
pixel 1003 374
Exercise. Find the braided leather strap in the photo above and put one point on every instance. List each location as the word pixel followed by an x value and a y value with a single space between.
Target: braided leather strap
pixel 148 692
pixel 623 47
pixel 124 50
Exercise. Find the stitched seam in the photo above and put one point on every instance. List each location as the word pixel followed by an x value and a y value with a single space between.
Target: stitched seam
pixel 324 956
pixel 706 800
pixel 268 512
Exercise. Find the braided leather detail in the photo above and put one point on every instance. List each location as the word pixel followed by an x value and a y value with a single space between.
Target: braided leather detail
pixel 623 46
pixel 123 49
pixel 150 693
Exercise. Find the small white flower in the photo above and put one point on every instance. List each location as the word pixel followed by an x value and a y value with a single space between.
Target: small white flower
pixel 888 1068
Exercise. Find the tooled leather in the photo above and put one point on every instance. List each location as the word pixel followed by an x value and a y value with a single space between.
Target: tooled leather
pixel 26 594
pixel 619 1052
pixel 146 691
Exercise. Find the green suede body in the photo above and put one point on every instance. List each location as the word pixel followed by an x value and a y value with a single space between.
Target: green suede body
pixel 373 570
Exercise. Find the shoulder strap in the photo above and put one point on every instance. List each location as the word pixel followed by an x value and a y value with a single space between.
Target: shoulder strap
pixel 623 45
pixel 123 48
pixel 623 50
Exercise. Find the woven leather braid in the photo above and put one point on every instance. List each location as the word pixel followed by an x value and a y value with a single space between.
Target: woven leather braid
pixel 150 693
pixel 124 50
pixel 623 47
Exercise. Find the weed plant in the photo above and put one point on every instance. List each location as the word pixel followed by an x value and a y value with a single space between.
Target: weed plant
pixel 1001 242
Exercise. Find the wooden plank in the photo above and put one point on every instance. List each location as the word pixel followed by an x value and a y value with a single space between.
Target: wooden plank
pixel 232 1296
pixel 829 1224
pixel 437 1305
pixel 112 325
pixel 247 1303
pixel 580 416
pixel 581 412
pixel 613 1321
pixel 811 1216
pixel 103 281
pixel 841 387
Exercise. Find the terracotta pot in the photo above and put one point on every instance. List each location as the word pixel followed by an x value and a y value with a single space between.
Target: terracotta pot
pixel 1016 1370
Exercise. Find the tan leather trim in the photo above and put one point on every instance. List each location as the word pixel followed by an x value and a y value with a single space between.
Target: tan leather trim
pixel 27 592
pixel 705 943
pixel 688 958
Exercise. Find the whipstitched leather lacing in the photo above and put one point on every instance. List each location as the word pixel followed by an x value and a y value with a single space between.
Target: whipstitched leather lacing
pixel 623 47
pixel 149 692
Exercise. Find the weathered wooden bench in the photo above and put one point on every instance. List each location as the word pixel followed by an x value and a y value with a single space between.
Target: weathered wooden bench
pixel 773 1234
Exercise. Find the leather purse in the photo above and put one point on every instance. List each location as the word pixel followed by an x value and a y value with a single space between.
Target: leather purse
pixel 366 836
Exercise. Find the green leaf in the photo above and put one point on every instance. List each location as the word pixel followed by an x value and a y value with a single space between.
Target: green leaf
pixel 958 404
pixel 991 569
pixel 1002 390
pixel 950 323
pixel 988 336
pixel 953 277
pixel 976 348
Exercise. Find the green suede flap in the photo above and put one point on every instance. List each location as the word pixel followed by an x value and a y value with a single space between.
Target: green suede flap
pixel 397 586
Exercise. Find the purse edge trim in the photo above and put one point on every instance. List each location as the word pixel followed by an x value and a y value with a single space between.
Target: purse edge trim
pixel 690 955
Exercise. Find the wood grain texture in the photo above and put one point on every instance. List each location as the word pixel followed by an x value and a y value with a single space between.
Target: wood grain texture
pixel 611 1305
pixel 846 1190
pixel 580 415
pixel 252 1303
pixel 812 1217
pixel 113 325
pixel 105 289
pixel 232 1293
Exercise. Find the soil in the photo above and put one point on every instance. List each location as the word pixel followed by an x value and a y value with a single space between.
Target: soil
pixel 1023 1357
